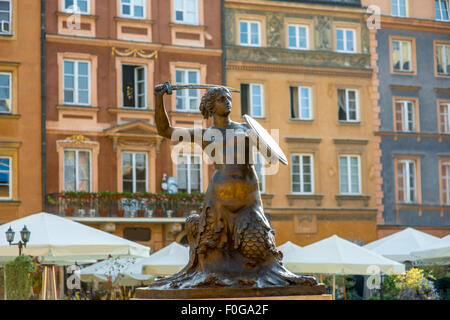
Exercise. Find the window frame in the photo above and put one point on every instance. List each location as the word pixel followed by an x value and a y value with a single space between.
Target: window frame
pixel 349 174
pixel 354 33
pixel 445 44
pixel 133 168
pixel 413 63
pixel 185 93
pixel 76 168
pixel 188 180
pixel 406 179
pixel 405 112
pixel 251 86
pixel 297 38
pixel 440 103
pixel 10 32
pixel 197 13
pixel 301 173
pixel 76 75
pixel 440 10
pixel 132 15
pixel 75 3
pixel 249 22
pixel 10 177
pixel 10 93
pixel 357 103
pixel 444 189
pixel 398 6
pixel 136 100
pixel 299 106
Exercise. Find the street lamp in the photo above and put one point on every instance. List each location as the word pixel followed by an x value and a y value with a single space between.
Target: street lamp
pixel 24 234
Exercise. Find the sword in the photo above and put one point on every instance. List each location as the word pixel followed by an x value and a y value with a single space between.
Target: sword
pixel 194 86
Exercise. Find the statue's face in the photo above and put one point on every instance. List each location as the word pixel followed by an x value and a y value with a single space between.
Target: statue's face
pixel 223 103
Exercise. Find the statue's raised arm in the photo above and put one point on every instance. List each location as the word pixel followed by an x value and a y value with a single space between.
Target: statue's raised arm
pixel 162 120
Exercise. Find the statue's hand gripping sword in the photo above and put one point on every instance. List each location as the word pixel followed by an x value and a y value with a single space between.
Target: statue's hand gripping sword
pixel 194 86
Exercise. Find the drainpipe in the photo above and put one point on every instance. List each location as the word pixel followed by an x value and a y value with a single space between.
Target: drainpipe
pixel 43 111
pixel 224 60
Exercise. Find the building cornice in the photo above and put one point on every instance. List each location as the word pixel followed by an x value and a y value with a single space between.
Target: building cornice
pixel 315 70
pixel 301 8
pixel 104 42
pixel 414 24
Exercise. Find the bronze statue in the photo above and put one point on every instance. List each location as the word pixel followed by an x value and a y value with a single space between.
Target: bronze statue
pixel 232 248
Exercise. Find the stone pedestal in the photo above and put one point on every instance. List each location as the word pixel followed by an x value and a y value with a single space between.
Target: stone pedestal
pixel 276 293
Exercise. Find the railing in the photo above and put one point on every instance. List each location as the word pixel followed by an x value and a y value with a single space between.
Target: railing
pixel 106 204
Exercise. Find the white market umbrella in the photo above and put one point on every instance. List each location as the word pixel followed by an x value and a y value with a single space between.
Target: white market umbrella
pixel 398 246
pixel 436 253
pixel 166 261
pixel 56 239
pixel 112 270
pixel 290 251
pixel 335 255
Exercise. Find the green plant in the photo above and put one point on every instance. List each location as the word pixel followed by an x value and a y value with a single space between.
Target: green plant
pixel 36 274
pixel 18 280
pixel 103 198
pixel 2 277
pixel 410 285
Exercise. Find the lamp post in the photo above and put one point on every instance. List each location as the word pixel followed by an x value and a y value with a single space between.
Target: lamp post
pixel 24 234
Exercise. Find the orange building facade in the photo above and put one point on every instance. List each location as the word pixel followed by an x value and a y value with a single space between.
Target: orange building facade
pixel 102 64
pixel 20 109
pixel 306 70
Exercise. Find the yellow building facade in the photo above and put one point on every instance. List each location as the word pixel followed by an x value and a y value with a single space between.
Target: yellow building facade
pixel 306 71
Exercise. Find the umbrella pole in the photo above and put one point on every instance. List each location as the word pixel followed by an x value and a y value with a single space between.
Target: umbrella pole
pixel 334 285
pixel 55 293
pixel 44 284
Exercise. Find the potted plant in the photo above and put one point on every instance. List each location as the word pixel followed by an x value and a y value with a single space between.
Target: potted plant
pixel 181 203
pixel 118 197
pixel 102 202
pixel 69 203
pixel 141 204
pixel 160 203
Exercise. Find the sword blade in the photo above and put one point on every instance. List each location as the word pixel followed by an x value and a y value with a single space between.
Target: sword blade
pixel 199 86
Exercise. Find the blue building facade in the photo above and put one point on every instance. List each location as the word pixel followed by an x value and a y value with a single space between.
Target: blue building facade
pixel 414 100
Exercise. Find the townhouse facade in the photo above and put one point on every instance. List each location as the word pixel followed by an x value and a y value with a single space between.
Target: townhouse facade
pixel 103 60
pixel 20 109
pixel 306 70
pixel 413 79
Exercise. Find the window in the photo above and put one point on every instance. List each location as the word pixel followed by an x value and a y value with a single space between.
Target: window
pixel 442 10
pixel 5 17
pixel 134 86
pixel 443 59
pixel 444 116
pixel 249 33
pixel 186 11
pixel 405 116
pixel 348 104
pixel 76 82
pixel 406 181
pixel 345 40
pixel 81 6
pixel 252 97
pixel 298 37
pixel 402 56
pixel 5 93
pixel 259 168
pixel 134 172
pixel 132 8
pixel 302 173
pixel 77 170
pixel 187 100
pixel 350 174
pixel 5 178
pixel 445 172
pixel 399 8
pixel 189 173
pixel 301 106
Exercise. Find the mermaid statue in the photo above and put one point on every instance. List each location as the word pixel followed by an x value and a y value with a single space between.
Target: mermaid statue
pixel 231 242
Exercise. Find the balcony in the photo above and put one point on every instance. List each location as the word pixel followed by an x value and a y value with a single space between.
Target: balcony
pixel 124 207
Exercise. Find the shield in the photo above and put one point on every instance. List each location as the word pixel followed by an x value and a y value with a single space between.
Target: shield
pixel 259 133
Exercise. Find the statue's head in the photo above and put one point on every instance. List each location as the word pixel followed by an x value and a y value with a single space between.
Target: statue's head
pixel 216 100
